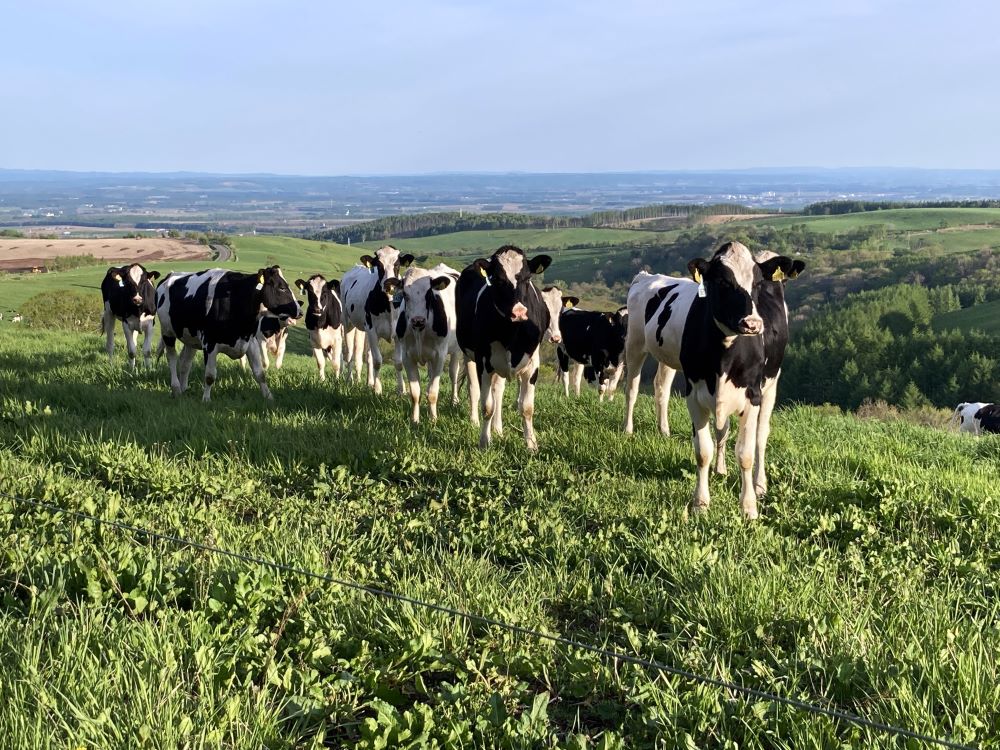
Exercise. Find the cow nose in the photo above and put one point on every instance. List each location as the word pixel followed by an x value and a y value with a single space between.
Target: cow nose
pixel 137 299
pixel 419 323
pixel 751 325
pixel 520 312
pixel 555 338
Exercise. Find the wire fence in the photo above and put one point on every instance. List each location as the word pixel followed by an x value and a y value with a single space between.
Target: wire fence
pixel 608 655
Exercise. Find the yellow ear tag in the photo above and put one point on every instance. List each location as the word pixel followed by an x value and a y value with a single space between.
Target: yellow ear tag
pixel 482 271
pixel 778 275
pixel 569 304
pixel 260 283
pixel 118 278
pixel 696 276
pixel 793 275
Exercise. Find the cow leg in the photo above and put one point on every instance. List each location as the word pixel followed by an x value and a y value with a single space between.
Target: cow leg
pixel 562 369
pixel 320 357
pixel 264 359
pixel 186 361
pixel 746 443
pixel 147 342
pixel 279 357
pixel 374 362
pixel 169 345
pixel 767 399
pixel 454 372
pixel 259 371
pixel 434 369
pixel 635 357
pixel 701 433
pixel 211 369
pixel 577 378
pixel 721 436
pixel 397 361
pixel 472 374
pixel 355 354
pixel 663 381
pixel 499 385
pixel 108 326
pixel 487 404
pixel 526 402
pixel 336 352
pixel 613 383
pixel 413 375
pixel 131 342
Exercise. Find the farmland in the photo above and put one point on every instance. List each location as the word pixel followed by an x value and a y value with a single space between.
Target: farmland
pixel 868 585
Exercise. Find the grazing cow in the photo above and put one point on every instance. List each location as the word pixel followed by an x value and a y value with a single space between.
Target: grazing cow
pixel 129 296
pixel 593 343
pixel 988 419
pixel 425 332
pixel 219 311
pixel 965 416
pixel 324 321
pixel 710 328
pixel 502 320
pixel 367 310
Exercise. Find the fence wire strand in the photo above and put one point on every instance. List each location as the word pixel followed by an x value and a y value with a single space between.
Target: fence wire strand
pixel 606 654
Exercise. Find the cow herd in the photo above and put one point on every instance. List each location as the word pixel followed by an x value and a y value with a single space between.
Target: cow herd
pixel 725 328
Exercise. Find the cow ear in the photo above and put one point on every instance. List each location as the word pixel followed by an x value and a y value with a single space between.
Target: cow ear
pixel 405 260
pixel 798 266
pixel 334 285
pixel 698 268
pixel 777 268
pixel 570 302
pixel 622 312
pixel 153 275
pixel 539 263
pixel 367 261
pixel 440 282
pixel 390 285
pixel 300 284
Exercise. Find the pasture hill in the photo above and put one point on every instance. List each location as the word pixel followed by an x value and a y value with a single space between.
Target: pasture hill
pixel 868 586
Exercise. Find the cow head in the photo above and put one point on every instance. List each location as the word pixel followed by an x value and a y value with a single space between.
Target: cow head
pixel 617 322
pixel 777 283
pixel 555 303
pixel 508 273
pixel 422 302
pixel 386 262
pixel 323 297
pixel 276 298
pixel 136 284
pixel 731 281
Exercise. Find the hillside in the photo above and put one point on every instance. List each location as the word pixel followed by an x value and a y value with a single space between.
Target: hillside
pixel 866 586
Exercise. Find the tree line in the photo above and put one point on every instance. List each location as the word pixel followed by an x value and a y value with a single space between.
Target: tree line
pixel 829 208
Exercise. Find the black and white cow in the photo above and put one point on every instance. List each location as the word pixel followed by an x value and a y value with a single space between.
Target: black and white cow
pixel 425 332
pixel 965 416
pixel 367 313
pixel 220 311
pixel 710 328
pixel 130 297
pixel 593 343
pixel 324 321
pixel 988 419
pixel 502 320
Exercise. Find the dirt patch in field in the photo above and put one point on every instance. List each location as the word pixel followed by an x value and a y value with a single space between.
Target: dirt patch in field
pixel 726 218
pixel 18 254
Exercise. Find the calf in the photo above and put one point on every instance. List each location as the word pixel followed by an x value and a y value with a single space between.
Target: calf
pixel 324 321
pixel 129 296
pixel 711 328
pixel 502 320
pixel 367 310
pixel 593 343
pixel 988 419
pixel 221 311
pixel 425 332
pixel 273 345
pixel 965 416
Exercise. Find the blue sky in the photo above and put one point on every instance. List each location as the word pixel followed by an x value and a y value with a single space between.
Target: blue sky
pixel 409 87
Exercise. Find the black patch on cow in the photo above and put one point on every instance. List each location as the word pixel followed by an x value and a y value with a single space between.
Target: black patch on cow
pixel 664 317
pixel 534 376
pixel 989 418
pixel 594 339
pixel 653 303
pixel 376 304
pixel 439 318
pixel 401 324
pixel 562 356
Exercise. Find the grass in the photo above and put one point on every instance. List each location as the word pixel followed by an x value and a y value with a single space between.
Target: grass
pixel 901 219
pixel 486 241
pixel 984 317
pixel 869 584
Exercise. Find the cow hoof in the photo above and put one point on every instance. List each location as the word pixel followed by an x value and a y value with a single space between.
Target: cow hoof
pixel 750 514
pixel 698 508
pixel 720 469
pixel 760 489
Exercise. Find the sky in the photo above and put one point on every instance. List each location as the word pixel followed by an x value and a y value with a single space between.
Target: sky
pixel 396 87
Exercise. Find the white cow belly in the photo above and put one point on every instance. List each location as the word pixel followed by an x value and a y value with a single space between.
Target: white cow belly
pixel 729 399
pixel 323 338
pixel 500 361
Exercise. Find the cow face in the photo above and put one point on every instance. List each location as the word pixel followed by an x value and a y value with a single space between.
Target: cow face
pixel 276 298
pixel 136 284
pixel 508 272
pixel 555 303
pixel 386 262
pixel 323 306
pixel 731 281
pixel 423 304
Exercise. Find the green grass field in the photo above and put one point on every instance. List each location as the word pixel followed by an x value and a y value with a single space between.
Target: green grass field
pixel 984 317
pixel 869 584
pixel 901 219
pixel 486 241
